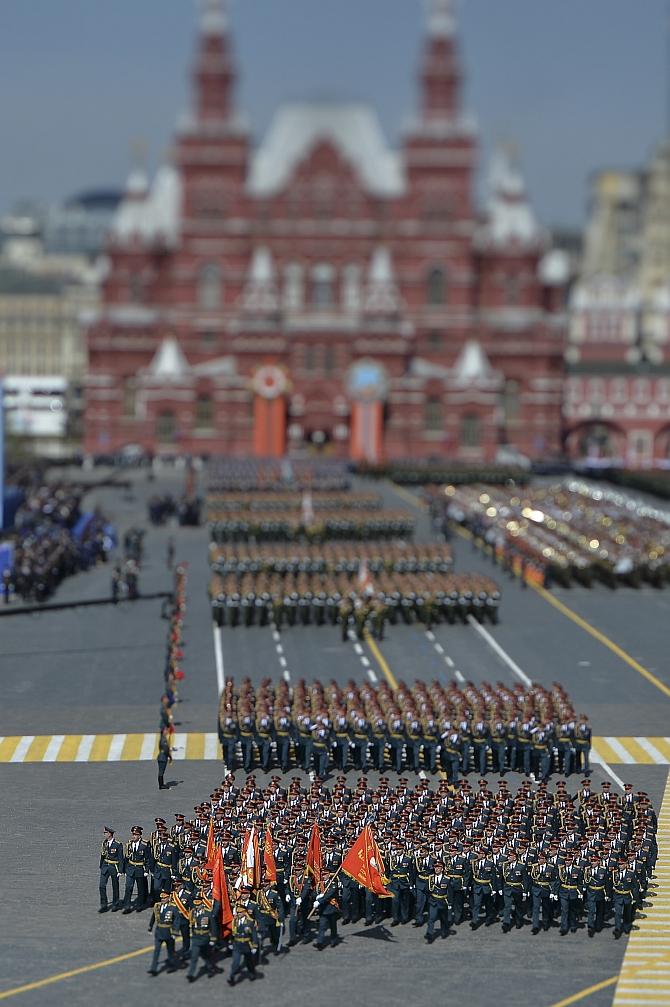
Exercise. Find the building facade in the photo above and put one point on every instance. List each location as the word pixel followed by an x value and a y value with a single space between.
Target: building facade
pixel 617 392
pixel 323 290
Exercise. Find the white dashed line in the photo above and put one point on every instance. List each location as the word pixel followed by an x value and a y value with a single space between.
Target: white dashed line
pixel 365 661
pixel 280 649
pixel 116 747
pixel 282 660
pixel 459 678
pixel 85 746
pixel 502 654
pixel 287 676
pixel 148 746
pixel 53 748
pixel 439 648
pixel 449 661
pixel 371 675
pixel 22 748
pixel 430 634
pixel 358 649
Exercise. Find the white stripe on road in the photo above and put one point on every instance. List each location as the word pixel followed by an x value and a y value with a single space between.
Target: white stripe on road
pixel 617 747
pixel 358 648
pixel 459 677
pixel 595 757
pixel 502 654
pixel 22 748
pixel 53 748
pixel 430 634
pixel 148 746
pixel 179 749
pixel 365 661
pixel 371 675
pixel 449 661
pixel 280 649
pixel 116 747
pixel 85 746
pixel 212 750
pixel 650 749
pixel 275 636
pixel 439 648
pixel 287 675
pixel 282 660
pixel 218 658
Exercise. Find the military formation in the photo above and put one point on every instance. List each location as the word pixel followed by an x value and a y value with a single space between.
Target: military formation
pixel 243 475
pixel 425 728
pixel 449 856
pixel 566 533
pixel 288 526
pixel 220 505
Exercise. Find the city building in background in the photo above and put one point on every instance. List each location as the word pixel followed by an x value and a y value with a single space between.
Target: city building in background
pixel 44 298
pixel 617 393
pixel 324 290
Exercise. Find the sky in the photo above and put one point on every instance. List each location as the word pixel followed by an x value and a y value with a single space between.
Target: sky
pixel 577 85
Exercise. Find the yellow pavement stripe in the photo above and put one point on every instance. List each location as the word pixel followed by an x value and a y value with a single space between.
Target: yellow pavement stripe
pixel 100 749
pixel 663 745
pixel 132 747
pixel 68 750
pixel 638 752
pixel 381 661
pixel 652 939
pixel 195 746
pixel 604 750
pixel 602 638
pixel 36 751
pixel 576 997
pixel 411 499
pixel 73 972
pixel 7 747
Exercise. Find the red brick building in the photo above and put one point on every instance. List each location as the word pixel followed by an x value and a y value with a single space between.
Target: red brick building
pixel 322 289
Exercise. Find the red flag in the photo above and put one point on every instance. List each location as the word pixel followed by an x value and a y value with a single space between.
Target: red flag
pixel 364 864
pixel 250 868
pixel 314 863
pixel 220 894
pixel 269 858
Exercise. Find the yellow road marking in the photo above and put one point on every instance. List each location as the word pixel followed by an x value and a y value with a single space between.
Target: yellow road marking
pixel 73 972
pixel 195 746
pixel 381 661
pixel 36 751
pixel 132 747
pixel 602 638
pixel 100 749
pixel 409 497
pixel 69 748
pixel 641 756
pixel 576 997
pixel 7 748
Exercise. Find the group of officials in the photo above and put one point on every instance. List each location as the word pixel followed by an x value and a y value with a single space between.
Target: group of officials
pixel 449 855
pixel 426 727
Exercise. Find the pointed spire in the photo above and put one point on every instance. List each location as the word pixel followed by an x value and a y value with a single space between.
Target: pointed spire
pixel 213 17
pixel 441 20
pixel 510 216
pixel 260 292
pixel 381 294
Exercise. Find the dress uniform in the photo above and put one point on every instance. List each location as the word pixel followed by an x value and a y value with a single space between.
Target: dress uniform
pixel 459 873
pixel 514 887
pixel 484 884
pixel 583 744
pixel 597 884
pixel 570 883
pixel 245 944
pixel 201 934
pixel 111 867
pixel 182 898
pixel 165 864
pixel 164 756
pixel 438 903
pixel 400 884
pixel 624 894
pixel 229 736
pixel 328 907
pixel 269 917
pixel 162 920
pixel 543 885
pixel 138 862
pixel 424 865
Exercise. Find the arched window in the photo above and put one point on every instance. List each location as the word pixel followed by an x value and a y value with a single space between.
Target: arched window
pixel 323 286
pixel 204 412
pixel 351 287
pixel 209 286
pixel 293 287
pixel 436 287
pixel 470 431
pixel 166 427
pixel 433 415
pixel 510 400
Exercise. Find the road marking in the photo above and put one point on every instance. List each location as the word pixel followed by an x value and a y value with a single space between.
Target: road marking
pixel 595 757
pixel 218 659
pixel 439 648
pixel 287 675
pixel 280 649
pixel 282 660
pixel 652 938
pixel 373 678
pixel 365 661
pixel 211 749
pixel 502 654
pixel 459 677
pixel 449 661
pixel 576 997
pixel 72 973
pixel 602 638
pixel 358 648
pixel 143 747
pixel 409 497
pixel 178 747
pixel 381 661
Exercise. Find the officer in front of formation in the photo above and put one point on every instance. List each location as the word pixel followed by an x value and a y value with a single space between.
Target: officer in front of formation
pixel 514 887
pixel 400 883
pixel 111 868
pixel 328 906
pixel 245 943
pixel 459 873
pixel 543 886
pixel 201 919
pixel 138 863
pixel 438 903
pixel 624 894
pixel 163 919
pixel 597 882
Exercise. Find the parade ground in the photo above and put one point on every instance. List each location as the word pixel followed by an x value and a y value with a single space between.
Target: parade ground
pixel 79 713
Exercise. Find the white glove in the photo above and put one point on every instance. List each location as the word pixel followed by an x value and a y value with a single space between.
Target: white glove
pixel 288 898
pixel 298 901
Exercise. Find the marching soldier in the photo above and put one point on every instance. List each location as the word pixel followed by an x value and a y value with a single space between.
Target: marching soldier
pixel 570 883
pixel 543 886
pixel 111 869
pixel 624 894
pixel 201 934
pixel 245 943
pixel 458 872
pixel 164 756
pixel 138 862
pixel 328 906
pixel 484 884
pixel 597 883
pixel 438 903
pixel 162 919
pixel 514 880
pixel 400 883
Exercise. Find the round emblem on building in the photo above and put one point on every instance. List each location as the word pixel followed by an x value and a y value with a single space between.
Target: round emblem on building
pixel 269 381
pixel 367 381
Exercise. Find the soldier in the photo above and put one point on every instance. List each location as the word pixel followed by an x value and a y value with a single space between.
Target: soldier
pixel 484 884
pixel 624 894
pixel 164 756
pixel 165 863
pixel 342 740
pixel 583 745
pixel 283 740
pixel 438 903
pixel 450 751
pixel 138 862
pixel 183 903
pixel 570 882
pixel 480 743
pixel 201 934
pixel 328 906
pixel 597 882
pixel 515 884
pixel 111 868
pixel 379 739
pixel 264 740
pixel 246 730
pixel 424 865
pixel 361 741
pixel 163 918
pixel 229 736
pixel 245 943
pixel 400 883
pixel 543 886
pixel 564 744
pixel 458 872
pixel 397 740
pixel 320 750
pixel 269 916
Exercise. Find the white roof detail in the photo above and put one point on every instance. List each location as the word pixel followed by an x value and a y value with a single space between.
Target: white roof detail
pixel 472 365
pixel 226 366
pixel 260 293
pixel 554 268
pixel 152 215
pixel 213 17
pixel 169 362
pixel 352 127
pixel 441 18
pixel 605 292
pixel 381 294
pixel 510 215
pixel 137 183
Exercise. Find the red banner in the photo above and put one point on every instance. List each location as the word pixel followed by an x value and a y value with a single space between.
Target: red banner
pixel 364 864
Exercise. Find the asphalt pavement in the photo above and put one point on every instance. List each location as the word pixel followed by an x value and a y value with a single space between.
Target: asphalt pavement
pixel 99 669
